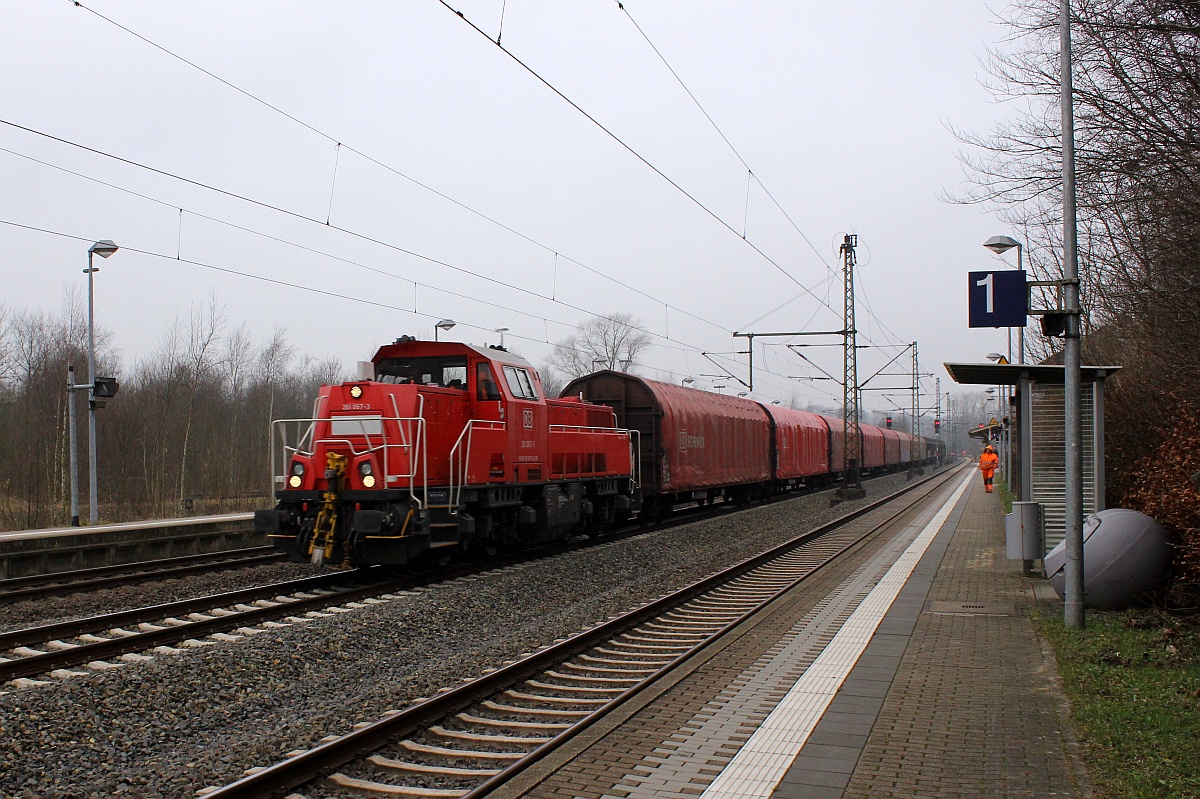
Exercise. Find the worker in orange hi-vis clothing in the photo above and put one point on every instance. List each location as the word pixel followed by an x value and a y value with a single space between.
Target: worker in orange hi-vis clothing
pixel 988 462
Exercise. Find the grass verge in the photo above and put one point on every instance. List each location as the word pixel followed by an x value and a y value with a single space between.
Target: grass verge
pixel 1133 680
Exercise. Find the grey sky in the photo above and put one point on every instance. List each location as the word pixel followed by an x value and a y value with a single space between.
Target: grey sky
pixel 840 109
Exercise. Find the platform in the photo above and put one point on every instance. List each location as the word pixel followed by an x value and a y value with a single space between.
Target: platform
pixel 917 673
pixel 47 551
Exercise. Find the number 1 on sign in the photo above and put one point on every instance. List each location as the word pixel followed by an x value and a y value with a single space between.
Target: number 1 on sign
pixel 987 282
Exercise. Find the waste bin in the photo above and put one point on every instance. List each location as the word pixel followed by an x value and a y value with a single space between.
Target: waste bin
pixel 1023 535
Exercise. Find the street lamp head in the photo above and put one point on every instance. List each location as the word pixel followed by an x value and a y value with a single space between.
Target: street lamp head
pixel 994 356
pixel 743 393
pixel 687 381
pixel 1001 244
pixel 445 324
pixel 103 248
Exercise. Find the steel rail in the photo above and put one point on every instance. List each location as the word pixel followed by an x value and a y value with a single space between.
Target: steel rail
pixel 76 655
pixel 19 589
pixel 33 665
pixel 328 756
pixel 101 650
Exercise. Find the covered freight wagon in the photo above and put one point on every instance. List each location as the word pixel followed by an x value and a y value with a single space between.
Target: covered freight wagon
pixel 802 444
pixel 693 444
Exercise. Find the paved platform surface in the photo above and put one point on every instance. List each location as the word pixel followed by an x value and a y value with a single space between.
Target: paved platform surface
pixel 973 707
pixel 946 692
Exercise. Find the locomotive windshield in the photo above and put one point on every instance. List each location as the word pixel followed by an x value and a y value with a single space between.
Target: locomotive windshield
pixel 449 372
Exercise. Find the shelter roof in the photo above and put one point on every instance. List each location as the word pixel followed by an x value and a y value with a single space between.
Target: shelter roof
pixel 1008 374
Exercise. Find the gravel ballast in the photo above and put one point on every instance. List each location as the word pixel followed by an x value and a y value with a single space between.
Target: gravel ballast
pixel 47 610
pixel 170 726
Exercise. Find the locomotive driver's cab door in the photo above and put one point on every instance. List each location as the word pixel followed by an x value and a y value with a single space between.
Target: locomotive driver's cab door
pixel 527 433
pixel 489 400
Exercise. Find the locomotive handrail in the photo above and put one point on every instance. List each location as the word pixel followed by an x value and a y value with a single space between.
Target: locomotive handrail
pixel 635 459
pixel 458 466
pixel 410 442
pixel 579 428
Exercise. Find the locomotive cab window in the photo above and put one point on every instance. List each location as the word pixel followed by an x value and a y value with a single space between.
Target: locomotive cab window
pixel 519 383
pixel 446 372
pixel 485 383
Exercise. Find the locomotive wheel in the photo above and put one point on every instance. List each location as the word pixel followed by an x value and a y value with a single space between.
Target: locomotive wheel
pixel 485 546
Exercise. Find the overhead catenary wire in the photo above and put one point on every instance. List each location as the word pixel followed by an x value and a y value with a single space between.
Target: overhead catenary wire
pixel 280 240
pixel 823 301
pixel 282 283
pixel 312 220
pixel 725 138
pixel 296 286
pixel 629 148
pixel 383 165
pixel 338 146
pixel 750 174
pixel 677 346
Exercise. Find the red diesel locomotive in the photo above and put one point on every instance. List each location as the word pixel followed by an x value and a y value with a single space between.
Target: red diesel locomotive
pixel 441 448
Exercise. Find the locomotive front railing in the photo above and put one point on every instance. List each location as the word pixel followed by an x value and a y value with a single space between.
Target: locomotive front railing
pixel 406 453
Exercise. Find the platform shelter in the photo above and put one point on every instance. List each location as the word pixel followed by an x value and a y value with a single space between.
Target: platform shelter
pixel 1031 434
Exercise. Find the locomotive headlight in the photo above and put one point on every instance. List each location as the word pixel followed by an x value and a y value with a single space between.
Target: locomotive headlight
pixel 369 480
pixel 356 391
pixel 294 481
pixel 297 474
pixel 367 473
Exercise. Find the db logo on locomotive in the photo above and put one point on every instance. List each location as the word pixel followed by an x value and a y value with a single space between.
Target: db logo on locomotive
pixel 527 418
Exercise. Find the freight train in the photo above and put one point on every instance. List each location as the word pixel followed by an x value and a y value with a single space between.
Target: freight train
pixel 440 448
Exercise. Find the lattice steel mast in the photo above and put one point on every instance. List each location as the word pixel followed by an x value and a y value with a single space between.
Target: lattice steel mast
pixel 915 467
pixel 851 431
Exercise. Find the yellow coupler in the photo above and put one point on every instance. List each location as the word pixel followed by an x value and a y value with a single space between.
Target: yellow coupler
pixel 320 546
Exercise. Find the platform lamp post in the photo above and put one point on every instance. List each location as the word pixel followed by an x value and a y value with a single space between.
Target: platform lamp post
pixel 1073 616
pixel 444 324
pixel 501 331
pixel 104 248
pixel 1000 245
pixel 687 381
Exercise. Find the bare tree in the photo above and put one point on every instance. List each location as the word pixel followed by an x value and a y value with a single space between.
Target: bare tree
pixel 273 359
pixel 602 342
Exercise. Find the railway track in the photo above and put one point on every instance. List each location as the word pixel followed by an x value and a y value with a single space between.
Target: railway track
pixel 55 648
pixel 138 634
pixel 469 740
pixel 29 655
pixel 20 589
